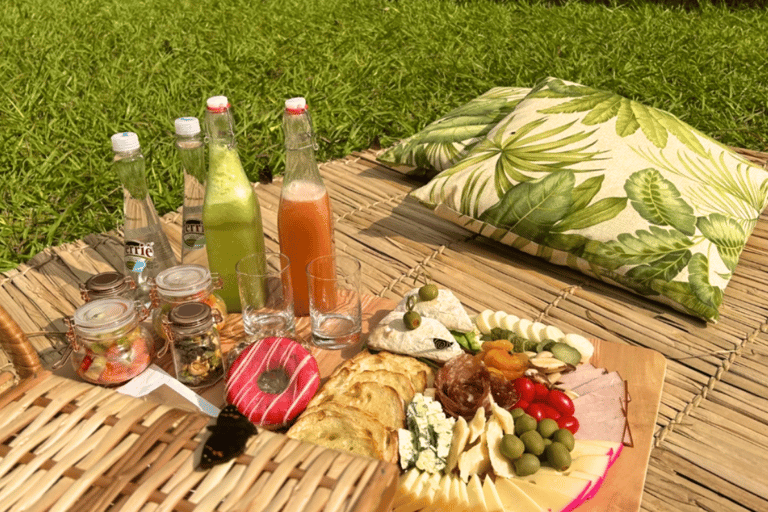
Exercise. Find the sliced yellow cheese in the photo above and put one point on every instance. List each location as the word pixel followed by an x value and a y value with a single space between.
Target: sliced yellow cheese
pixel 458 442
pixel 586 447
pixel 569 485
pixel 501 465
pixel 461 498
pixel 547 498
pixel 477 425
pixel 514 499
pixel 407 485
pixel 476 495
pixel 492 499
pixel 596 465
pixel 424 494
pixel 442 498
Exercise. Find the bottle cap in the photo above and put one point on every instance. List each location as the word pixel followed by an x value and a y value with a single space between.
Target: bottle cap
pixel 296 105
pixel 187 126
pixel 218 104
pixel 125 141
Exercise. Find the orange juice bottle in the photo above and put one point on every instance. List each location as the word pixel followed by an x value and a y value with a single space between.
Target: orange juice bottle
pixel 304 221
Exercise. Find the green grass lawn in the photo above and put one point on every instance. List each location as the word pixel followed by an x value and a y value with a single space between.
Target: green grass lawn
pixel 374 71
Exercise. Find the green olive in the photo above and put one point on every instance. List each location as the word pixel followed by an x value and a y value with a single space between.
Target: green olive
pixel 511 446
pixel 428 292
pixel 547 427
pixel 517 412
pixel 526 465
pixel 564 437
pixel 533 442
pixel 558 456
pixel 412 320
pixel 525 423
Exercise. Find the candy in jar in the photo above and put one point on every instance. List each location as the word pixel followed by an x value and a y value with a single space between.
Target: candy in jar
pixel 185 283
pixel 195 344
pixel 108 284
pixel 109 344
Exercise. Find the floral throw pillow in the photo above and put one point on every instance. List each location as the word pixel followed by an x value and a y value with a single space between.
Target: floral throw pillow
pixel 624 192
pixel 445 141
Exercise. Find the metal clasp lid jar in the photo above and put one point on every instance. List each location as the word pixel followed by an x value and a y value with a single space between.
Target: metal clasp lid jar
pixel 108 284
pixel 184 283
pixel 109 344
pixel 195 344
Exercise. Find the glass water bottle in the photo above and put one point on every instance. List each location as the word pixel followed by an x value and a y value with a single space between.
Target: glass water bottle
pixel 191 149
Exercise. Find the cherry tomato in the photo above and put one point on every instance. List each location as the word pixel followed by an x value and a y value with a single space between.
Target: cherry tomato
pixel 568 423
pixel 526 391
pixel 522 404
pixel 536 409
pixel 551 412
pixel 541 391
pixel 560 401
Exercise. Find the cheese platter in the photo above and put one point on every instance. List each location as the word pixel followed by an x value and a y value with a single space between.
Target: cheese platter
pixel 600 474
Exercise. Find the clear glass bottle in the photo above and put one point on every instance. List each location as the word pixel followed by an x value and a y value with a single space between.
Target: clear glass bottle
pixel 108 284
pixel 191 148
pixel 196 346
pixel 110 346
pixel 184 283
pixel 304 217
pixel 147 250
pixel 231 212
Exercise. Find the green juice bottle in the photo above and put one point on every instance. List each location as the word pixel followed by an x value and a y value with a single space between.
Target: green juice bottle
pixel 231 211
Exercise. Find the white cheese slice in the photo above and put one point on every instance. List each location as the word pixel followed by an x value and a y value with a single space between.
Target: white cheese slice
pixel 442 498
pixel 497 319
pixel 431 339
pixel 514 499
pixel 459 441
pixel 596 465
pixel 476 495
pixel 477 425
pixel 460 495
pixel 509 322
pixel 572 486
pixel 536 332
pixel 483 321
pixel 501 465
pixel 553 333
pixel 424 495
pixel 492 499
pixel 521 328
pixel 406 489
pixel 475 460
pixel 546 498
pixel 504 417
pixel 586 447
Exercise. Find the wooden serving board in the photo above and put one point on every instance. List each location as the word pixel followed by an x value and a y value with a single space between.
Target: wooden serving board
pixel 643 369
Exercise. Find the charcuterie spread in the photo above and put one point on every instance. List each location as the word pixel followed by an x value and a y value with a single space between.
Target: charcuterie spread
pixel 494 413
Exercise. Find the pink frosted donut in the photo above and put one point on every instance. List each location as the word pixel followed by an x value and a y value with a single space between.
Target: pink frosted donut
pixel 272 381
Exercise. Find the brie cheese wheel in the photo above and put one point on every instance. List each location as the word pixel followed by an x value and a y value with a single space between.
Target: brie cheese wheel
pixel 446 309
pixel 431 339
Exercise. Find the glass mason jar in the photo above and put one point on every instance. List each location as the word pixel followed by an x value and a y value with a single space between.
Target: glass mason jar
pixel 195 344
pixel 184 283
pixel 110 346
pixel 108 284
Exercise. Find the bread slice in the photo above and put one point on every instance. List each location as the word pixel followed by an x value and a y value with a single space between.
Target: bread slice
pixel 421 375
pixel 350 430
pixel 344 378
pixel 379 400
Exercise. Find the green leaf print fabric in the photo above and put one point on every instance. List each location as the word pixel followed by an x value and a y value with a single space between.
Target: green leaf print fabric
pixel 623 192
pixel 447 140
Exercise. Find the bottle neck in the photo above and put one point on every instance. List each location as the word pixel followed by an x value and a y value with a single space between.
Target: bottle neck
pixel 300 161
pixel 129 166
pixel 220 127
pixel 192 154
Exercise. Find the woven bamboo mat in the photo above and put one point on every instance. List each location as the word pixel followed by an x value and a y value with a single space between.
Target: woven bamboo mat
pixel 711 437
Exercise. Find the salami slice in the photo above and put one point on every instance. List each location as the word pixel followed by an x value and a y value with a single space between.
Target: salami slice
pixel 463 385
pixel 503 391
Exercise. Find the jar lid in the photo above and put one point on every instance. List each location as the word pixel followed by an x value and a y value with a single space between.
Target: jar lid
pixel 183 280
pixel 190 314
pixel 104 315
pixel 106 282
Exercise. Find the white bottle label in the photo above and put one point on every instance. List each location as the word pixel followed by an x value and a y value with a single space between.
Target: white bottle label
pixel 138 255
pixel 194 234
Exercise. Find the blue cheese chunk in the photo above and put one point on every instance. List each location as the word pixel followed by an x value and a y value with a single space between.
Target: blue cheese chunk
pixel 407 448
pixel 429 462
pixel 430 435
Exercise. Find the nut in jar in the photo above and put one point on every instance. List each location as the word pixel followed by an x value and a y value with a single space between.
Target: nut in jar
pixel 195 344
pixel 184 283
pixel 109 344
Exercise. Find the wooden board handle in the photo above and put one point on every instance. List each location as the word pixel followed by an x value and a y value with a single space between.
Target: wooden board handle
pixel 17 346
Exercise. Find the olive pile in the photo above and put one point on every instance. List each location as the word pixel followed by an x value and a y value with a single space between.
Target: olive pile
pixel 536 443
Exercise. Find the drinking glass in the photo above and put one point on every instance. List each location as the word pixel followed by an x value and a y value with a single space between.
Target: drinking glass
pixel 334 301
pixel 266 295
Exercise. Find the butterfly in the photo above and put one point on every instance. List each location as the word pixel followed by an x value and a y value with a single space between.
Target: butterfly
pixel 228 437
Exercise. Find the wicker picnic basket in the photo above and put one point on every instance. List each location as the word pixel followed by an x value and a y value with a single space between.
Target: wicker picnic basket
pixel 69 445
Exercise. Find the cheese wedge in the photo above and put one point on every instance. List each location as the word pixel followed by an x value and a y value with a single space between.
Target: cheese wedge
pixel 477 425
pixel 476 495
pixel 513 499
pixel 596 465
pixel 547 498
pixel 504 417
pixel 425 494
pixel 459 441
pixel 461 494
pixel 475 460
pixel 492 500
pixel 588 447
pixel 407 485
